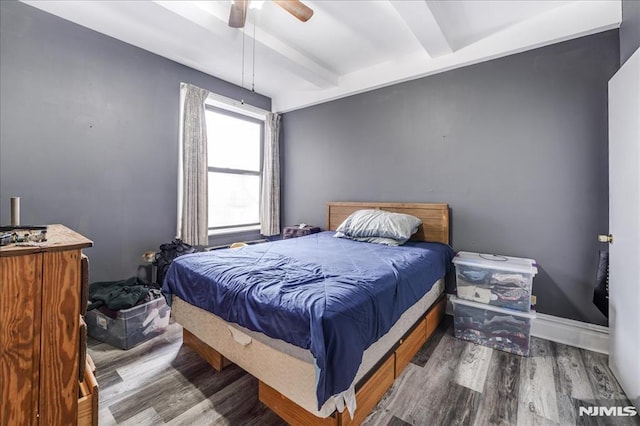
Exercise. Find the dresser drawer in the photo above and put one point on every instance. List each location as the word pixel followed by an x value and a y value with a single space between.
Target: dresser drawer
pixel 88 398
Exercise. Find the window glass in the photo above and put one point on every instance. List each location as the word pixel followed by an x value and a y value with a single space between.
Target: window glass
pixel 233 199
pixel 232 143
pixel 234 161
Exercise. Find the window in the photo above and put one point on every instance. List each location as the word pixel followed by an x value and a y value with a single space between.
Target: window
pixel 234 150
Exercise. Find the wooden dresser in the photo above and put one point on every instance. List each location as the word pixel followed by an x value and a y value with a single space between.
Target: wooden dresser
pixel 40 307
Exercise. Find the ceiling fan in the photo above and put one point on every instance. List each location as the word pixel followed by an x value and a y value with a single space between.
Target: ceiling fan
pixel 238 14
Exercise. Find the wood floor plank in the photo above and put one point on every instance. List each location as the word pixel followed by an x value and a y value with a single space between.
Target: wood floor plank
pixel 410 385
pixel 252 411
pixel 570 373
pixel 537 390
pixel 148 417
pixel 606 389
pixel 235 404
pixel 397 422
pixel 200 383
pixel 105 418
pixel 111 358
pixel 568 412
pixel 162 382
pixel 532 419
pixel 201 413
pixel 423 355
pixel 409 398
pixel 395 401
pixel 146 376
pixel 424 400
pixel 499 403
pixel 109 379
pixel 458 407
pixel 214 409
pixel 190 380
pixel 261 415
pixel 155 361
pixel 473 367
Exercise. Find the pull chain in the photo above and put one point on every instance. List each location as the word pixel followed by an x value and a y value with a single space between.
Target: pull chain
pixel 253 81
pixel 243 34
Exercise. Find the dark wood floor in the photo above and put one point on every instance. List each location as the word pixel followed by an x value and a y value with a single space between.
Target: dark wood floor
pixel 449 382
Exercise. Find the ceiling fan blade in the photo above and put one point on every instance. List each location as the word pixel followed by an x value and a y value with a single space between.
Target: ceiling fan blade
pixel 238 13
pixel 296 8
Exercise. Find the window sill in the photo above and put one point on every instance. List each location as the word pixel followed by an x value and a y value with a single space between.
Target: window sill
pixel 233 231
pixel 229 236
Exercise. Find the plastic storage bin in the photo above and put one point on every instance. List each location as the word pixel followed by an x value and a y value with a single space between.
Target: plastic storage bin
pixel 495 280
pixel 132 326
pixel 498 328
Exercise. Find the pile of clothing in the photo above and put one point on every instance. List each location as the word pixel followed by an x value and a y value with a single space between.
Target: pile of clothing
pixel 109 297
pixel 502 331
pixel 505 289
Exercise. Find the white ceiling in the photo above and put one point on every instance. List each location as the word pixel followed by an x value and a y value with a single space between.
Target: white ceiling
pixel 347 47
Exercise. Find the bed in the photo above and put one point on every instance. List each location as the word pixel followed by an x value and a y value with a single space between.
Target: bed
pixel 298 377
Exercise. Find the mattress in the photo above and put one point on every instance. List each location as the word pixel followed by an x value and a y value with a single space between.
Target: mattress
pixel 330 295
pixel 285 367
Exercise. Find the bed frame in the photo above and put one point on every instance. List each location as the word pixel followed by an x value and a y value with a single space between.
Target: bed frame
pixel 372 387
pixel 435 217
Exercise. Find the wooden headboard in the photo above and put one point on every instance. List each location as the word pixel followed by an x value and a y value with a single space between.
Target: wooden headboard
pixel 434 216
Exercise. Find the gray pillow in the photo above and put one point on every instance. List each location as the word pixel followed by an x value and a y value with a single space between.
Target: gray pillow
pixel 368 225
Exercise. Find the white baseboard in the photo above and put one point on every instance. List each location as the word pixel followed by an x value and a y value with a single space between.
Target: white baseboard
pixel 574 333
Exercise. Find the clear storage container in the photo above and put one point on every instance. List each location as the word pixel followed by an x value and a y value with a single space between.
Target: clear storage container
pixel 498 328
pixel 495 280
pixel 131 326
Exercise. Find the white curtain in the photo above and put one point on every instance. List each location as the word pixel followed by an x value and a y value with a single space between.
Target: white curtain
pixel 192 167
pixel 270 196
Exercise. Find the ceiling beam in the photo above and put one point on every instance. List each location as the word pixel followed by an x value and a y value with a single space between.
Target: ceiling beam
pixel 421 21
pixel 575 19
pixel 213 17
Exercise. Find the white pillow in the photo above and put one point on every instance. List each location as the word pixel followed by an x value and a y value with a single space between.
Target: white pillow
pixel 368 225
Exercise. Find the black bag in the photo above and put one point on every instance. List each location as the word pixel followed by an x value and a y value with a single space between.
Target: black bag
pixel 167 253
pixel 601 290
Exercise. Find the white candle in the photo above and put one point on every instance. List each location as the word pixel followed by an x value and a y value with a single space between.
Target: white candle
pixel 15 211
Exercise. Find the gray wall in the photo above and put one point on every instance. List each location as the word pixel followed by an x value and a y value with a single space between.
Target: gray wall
pixel 629 29
pixel 88 134
pixel 517 146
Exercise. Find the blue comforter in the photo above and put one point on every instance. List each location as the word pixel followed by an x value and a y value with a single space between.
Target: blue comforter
pixel 330 295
